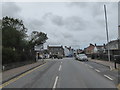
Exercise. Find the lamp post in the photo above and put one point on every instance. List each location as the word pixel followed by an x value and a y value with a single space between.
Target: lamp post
pixel 107 33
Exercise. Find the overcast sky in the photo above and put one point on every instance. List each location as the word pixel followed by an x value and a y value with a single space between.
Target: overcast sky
pixel 73 24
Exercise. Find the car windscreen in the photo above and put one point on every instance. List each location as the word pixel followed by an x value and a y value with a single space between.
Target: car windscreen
pixel 82 55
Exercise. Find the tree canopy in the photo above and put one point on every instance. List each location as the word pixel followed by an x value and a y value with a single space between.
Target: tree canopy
pixel 37 38
pixel 15 46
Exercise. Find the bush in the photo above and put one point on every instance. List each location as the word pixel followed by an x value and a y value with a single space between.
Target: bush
pixel 9 56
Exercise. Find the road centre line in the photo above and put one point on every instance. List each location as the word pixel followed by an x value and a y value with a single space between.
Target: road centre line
pixel 86 65
pixel 18 77
pixel 97 70
pixel 60 67
pixel 55 83
pixel 108 77
pixel 90 66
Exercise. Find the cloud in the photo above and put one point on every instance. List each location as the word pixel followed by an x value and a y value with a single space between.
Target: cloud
pixel 55 19
pixel 72 24
pixel 79 4
pixel 10 9
pixel 75 23
pixel 67 35
pixel 34 24
pixel 58 20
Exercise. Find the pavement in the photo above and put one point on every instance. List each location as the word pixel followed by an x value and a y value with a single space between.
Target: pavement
pixel 105 63
pixel 9 74
pixel 63 73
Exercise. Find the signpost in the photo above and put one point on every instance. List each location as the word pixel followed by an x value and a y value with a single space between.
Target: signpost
pixel 38 49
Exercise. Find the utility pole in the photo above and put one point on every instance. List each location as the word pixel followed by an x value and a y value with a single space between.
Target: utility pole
pixel 107 33
pixel 119 38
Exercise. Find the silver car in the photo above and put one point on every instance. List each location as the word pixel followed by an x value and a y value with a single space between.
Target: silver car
pixel 82 57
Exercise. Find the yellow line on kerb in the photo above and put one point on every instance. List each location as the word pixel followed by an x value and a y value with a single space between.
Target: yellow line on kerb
pixel 16 78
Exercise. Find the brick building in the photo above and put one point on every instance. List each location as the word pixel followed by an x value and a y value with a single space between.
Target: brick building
pixel 55 50
pixel 89 50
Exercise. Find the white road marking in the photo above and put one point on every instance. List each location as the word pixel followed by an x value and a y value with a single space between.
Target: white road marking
pixel 60 67
pixel 108 77
pixel 82 62
pixel 55 83
pixel 90 66
pixel 61 62
pixel 97 70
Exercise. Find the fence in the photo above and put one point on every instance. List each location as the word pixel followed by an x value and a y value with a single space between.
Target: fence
pixel 103 57
pixel 16 64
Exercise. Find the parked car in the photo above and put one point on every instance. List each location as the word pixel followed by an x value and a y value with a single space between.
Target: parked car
pixel 81 57
pixel 59 56
pixel 56 56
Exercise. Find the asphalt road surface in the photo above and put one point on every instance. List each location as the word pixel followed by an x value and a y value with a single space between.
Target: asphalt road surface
pixel 62 73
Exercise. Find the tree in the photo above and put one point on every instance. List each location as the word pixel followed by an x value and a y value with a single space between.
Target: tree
pixel 13 39
pixel 13 32
pixel 15 46
pixel 14 23
pixel 37 38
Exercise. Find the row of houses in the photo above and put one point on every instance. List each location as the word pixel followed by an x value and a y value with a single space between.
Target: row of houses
pixel 102 50
pixel 65 51
pixel 94 48
pixel 68 51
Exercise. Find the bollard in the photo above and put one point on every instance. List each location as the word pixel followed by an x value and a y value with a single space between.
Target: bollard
pixel 3 68
pixel 115 65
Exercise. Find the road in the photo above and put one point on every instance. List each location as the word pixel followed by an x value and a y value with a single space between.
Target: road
pixel 63 73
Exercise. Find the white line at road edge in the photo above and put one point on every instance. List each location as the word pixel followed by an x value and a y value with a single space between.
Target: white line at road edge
pixel 97 70
pixel 108 77
pixel 55 83
pixel 60 67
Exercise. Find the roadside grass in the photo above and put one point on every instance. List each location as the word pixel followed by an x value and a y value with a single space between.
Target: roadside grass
pixel 118 86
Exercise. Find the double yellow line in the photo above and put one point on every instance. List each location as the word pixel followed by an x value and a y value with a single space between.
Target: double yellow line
pixel 16 78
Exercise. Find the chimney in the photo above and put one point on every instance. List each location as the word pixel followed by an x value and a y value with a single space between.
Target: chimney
pixel 91 44
pixel 104 45
pixel 95 44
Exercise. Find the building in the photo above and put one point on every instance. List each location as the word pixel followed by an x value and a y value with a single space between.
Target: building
pixel 113 45
pixel 99 49
pixel 79 51
pixel 39 51
pixel 119 37
pixel 89 50
pixel 0 24
pixel 55 50
pixel 66 51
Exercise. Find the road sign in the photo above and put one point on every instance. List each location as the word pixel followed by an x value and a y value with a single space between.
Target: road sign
pixel 38 47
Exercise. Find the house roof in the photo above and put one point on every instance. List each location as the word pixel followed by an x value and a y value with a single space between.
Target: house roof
pixel 55 46
pixel 99 46
pixel 90 47
pixel 112 42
